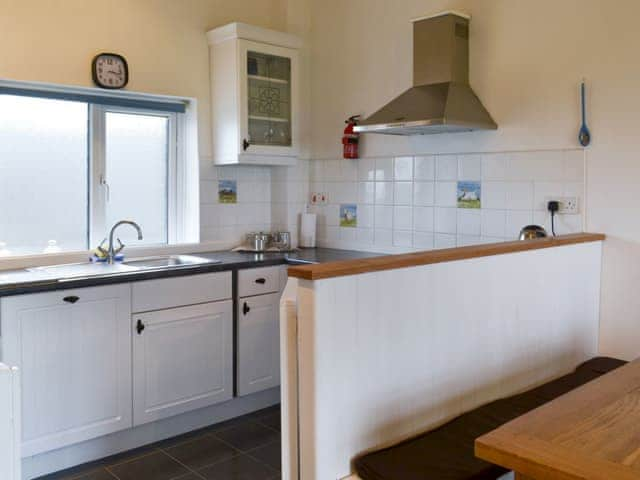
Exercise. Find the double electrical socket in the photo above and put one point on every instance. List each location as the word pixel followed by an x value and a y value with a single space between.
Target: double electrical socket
pixel 568 205
pixel 319 198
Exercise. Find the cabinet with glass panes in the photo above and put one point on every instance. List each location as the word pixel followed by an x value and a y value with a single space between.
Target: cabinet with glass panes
pixel 254 74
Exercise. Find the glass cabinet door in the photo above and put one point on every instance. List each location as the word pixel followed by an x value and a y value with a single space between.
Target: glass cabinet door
pixel 269 99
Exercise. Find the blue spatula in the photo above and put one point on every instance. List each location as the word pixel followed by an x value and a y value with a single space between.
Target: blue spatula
pixel 584 137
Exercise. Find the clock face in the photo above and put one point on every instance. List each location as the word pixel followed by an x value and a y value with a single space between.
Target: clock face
pixel 110 70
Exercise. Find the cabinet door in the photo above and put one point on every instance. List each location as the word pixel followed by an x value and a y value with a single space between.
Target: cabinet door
pixel 258 343
pixel 183 360
pixel 268 96
pixel 74 352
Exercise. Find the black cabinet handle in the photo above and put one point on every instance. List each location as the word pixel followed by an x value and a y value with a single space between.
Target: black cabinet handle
pixel 245 308
pixel 262 281
pixel 71 299
pixel 245 144
pixel 140 327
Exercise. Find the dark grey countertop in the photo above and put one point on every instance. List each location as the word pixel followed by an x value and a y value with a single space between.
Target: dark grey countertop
pixel 17 282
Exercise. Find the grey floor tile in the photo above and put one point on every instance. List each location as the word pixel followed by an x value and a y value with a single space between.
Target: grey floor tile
pixel 80 474
pixel 241 467
pixel 271 421
pixel 156 466
pixel 248 436
pixel 201 451
pixel 270 454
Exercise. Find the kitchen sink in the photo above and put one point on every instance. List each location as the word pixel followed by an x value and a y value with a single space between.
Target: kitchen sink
pixel 168 261
pixel 74 270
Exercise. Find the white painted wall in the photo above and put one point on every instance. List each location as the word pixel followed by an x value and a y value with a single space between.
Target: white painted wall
pixel 386 355
pixel 526 61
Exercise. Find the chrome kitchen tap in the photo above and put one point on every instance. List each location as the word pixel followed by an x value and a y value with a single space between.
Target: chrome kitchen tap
pixel 111 253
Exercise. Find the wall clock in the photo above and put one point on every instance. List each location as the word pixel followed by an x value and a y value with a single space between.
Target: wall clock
pixel 110 70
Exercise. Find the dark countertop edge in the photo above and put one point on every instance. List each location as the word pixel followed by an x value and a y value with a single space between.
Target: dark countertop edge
pixel 302 257
pixel 405 260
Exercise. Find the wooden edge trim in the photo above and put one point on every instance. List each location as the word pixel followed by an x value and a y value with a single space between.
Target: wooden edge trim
pixel 390 262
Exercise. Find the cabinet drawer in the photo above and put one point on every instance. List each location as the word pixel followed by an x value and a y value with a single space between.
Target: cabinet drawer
pixel 179 291
pixel 257 281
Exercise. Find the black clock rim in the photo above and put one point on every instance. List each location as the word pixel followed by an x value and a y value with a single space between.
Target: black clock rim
pixel 94 71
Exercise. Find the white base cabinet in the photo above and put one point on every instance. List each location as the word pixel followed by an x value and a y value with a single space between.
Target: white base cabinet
pixel 258 343
pixel 182 360
pixel 73 349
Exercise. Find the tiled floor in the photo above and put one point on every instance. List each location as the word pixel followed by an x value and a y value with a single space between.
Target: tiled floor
pixel 245 448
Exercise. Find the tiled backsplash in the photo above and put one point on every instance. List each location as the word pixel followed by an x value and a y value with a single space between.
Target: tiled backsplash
pixel 411 202
pixel 268 198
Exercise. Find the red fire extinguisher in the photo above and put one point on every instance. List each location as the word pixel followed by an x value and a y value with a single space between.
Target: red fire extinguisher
pixel 350 138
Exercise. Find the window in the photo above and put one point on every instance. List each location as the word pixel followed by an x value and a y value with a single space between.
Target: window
pixel 70 169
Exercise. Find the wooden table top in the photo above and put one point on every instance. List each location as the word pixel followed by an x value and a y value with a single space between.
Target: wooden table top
pixel 592 432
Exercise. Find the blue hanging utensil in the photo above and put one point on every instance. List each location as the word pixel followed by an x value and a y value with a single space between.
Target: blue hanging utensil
pixel 584 137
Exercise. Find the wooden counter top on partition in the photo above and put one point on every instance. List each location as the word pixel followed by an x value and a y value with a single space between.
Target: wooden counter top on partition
pixel 389 262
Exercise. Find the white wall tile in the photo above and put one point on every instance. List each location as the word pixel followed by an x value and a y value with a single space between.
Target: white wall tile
pixel 384 193
pixel 542 190
pixel 493 195
pixel 446 194
pixel 348 234
pixel 365 236
pixel 402 238
pixel 444 220
pixel 227 173
pixel 332 171
pixel 423 240
pixel 403 168
pixel 446 167
pixel 383 237
pixel 208 191
pixel 332 213
pixel 383 216
pixel 515 220
pixel 366 192
pixel 384 169
pixel 519 195
pixel 366 169
pixel 468 221
pixel 494 166
pixel 493 223
pixel 316 173
pixel 403 218
pixel 469 167
pixel 402 193
pixel 365 216
pixel 349 170
pixel 444 240
pixel 342 192
pixel 423 219
pixel 424 193
pixel 424 168
pixel 333 234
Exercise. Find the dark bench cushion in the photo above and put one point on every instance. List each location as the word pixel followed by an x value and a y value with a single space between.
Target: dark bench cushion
pixel 447 453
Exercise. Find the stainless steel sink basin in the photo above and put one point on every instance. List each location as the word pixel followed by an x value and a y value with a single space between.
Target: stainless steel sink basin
pixel 74 270
pixel 169 261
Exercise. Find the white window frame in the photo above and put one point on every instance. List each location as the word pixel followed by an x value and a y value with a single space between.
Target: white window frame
pixel 98 175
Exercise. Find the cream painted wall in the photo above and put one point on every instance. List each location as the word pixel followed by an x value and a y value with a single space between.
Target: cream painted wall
pixel 526 61
pixel 163 40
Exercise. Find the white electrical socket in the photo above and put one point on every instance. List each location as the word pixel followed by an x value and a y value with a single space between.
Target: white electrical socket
pixel 568 205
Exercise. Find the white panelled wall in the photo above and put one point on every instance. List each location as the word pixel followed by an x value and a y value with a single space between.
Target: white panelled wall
pixel 386 355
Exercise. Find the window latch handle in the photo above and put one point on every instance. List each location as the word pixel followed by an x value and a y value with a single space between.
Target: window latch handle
pixel 105 185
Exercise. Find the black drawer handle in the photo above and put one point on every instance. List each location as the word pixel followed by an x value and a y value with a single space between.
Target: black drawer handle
pixel 71 299
pixel 261 281
pixel 140 327
pixel 245 144
pixel 245 308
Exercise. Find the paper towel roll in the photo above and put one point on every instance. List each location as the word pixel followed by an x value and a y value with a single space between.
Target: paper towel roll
pixel 308 230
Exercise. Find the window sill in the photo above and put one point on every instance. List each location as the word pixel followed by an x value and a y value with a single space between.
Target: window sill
pixel 38 260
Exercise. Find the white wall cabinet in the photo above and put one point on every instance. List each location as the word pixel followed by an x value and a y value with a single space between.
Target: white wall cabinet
pixel 258 343
pixel 255 83
pixel 182 360
pixel 73 349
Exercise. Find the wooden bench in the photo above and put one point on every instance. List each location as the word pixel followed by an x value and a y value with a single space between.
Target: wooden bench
pixel 447 452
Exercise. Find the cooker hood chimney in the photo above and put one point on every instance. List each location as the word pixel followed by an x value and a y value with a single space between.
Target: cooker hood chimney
pixel 441 99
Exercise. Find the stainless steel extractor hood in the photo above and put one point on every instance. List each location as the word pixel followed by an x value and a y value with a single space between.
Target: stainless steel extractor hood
pixel 441 99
